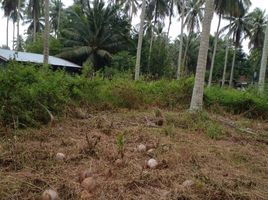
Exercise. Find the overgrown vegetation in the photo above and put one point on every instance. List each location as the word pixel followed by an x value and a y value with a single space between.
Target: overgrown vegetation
pixel 248 103
pixel 29 93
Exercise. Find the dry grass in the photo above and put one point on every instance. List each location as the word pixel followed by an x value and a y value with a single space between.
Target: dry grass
pixel 232 167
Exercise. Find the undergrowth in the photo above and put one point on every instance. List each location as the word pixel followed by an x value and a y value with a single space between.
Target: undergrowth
pixel 249 103
pixel 28 94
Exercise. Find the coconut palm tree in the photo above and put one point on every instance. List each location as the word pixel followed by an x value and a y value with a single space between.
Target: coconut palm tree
pixel 198 91
pixel 34 12
pixel 8 6
pixel 226 8
pixel 263 63
pixel 130 7
pixel 13 16
pixel 181 6
pixel 55 15
pixel 46 33
pixel 138 57
pixel 193 18
pixel 258 22
pixel 227 42
pixel 172 6
pixel 239 28
pixel 223 7
pixel 18 24
pixel 94 34
pixel 157 9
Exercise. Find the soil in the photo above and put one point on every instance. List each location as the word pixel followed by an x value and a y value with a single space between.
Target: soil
pixel 190 164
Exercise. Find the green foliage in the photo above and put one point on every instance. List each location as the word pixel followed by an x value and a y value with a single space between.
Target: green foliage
pixel 214 130
pixel 161 62
pixel 87 71
pixel 169 130
pixel 197 122
pixel 24 90
pixel 94 32
pixel 27 91
pixel 248 103
pixel 55 45
pixel 120 144
pixel 123 61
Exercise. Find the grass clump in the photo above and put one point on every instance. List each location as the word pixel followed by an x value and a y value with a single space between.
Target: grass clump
pixel 197 122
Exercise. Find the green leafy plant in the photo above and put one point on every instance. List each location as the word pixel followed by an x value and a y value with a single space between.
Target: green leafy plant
pixel 120 144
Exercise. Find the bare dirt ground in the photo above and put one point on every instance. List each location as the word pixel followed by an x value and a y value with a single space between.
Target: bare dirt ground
pixel 232 167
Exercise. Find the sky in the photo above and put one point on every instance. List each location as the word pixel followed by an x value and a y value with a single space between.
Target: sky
pixel 174 31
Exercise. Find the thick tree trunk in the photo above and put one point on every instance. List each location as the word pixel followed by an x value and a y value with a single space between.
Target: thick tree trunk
pixel 232 70
pixel 225 61
pixel 18 26
pixel 181 41
pixel 214 52
pixel 46 34
pixel 263 63
pixel 138 57
pixel 7 30
pixel 198 91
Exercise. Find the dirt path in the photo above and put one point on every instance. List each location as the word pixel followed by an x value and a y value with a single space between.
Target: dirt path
pixel 233 167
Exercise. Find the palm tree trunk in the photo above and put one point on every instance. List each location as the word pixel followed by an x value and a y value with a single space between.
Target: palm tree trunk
pixel 170 17
pixel 13 45
pixel 34 28
pixel 169 25
pixel 232 70
pixel 7 30
pixel 58 23
pixel 263 63
pixel 186 50
pixel 138 57
pixel 198 91
pixel 18 25
pixel 46 34
pixel 181 41
pixel 152 37
pixel 225 61
pixel 150 51
pixel 214 52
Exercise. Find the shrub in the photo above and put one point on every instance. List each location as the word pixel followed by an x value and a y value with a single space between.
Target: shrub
pixel 248 103
pixel 26 92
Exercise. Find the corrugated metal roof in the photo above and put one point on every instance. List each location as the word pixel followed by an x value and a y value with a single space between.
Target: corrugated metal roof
pixel 34 58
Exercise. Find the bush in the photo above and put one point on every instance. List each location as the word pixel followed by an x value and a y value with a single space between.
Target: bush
pixel 26 92
pixel 235 101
